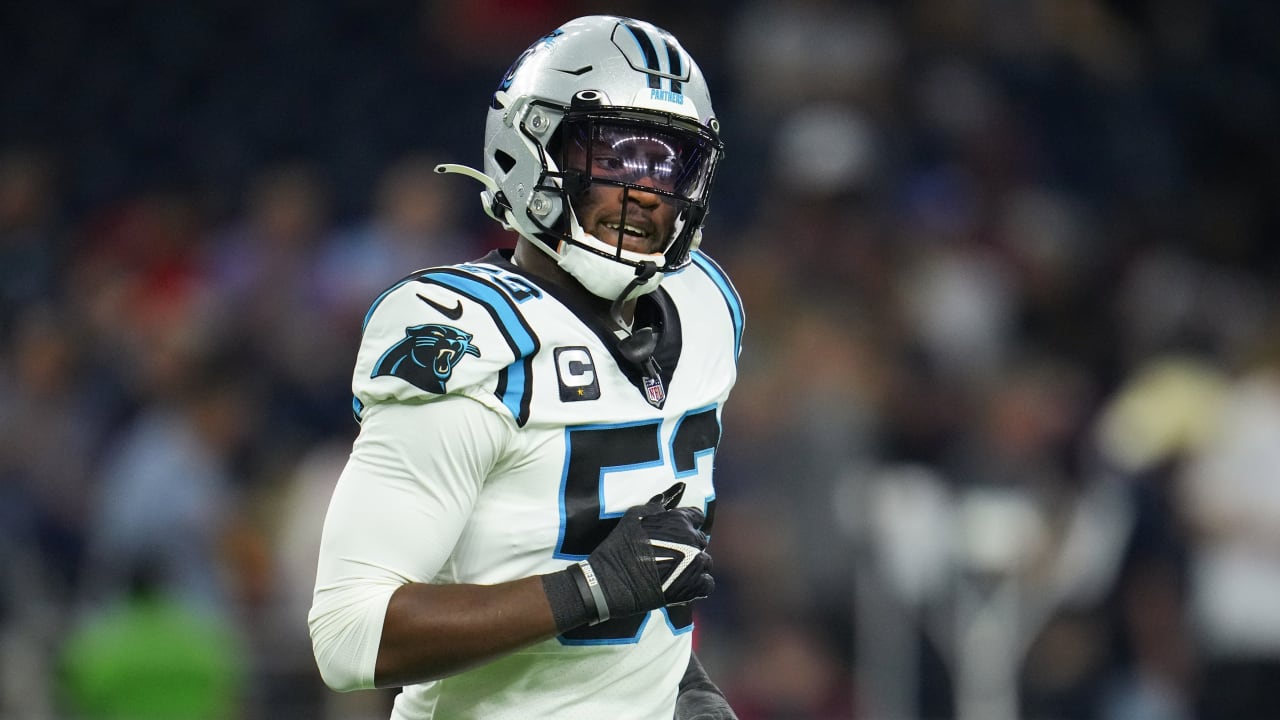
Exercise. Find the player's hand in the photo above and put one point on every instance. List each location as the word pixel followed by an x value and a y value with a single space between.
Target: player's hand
pixel 654 557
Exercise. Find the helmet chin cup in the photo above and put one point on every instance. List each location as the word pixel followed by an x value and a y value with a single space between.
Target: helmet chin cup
pixel 600 275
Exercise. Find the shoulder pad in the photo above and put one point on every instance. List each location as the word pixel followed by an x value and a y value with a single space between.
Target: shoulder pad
pixel 440 331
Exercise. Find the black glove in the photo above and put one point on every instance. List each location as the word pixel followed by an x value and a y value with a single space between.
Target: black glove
pixel 653 558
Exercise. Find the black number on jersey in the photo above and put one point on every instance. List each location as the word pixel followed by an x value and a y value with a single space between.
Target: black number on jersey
pixel 595 451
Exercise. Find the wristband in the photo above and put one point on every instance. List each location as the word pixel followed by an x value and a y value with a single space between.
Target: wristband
pixel 594 593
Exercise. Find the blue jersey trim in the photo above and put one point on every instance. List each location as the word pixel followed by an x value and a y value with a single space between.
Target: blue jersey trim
pixel 628 640
pixel 666 615
pixel 731 297
pixel 515 387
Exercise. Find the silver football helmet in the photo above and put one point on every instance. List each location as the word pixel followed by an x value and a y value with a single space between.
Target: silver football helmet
pixel 611 80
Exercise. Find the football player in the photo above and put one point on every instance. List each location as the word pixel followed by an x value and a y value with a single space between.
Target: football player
pixel 520 529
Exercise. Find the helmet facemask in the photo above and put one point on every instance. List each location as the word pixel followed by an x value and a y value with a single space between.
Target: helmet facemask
pixel 636 151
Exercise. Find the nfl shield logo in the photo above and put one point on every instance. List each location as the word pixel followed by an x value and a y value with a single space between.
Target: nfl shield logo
pixel 654 391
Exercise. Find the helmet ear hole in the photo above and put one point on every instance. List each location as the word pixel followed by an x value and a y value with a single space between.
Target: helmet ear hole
pixel 504 160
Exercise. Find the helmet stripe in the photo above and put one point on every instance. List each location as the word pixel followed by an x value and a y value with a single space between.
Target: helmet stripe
pixel 648 50
pixel 674 62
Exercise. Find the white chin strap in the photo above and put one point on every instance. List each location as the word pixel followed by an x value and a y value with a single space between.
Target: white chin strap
pixel 604 277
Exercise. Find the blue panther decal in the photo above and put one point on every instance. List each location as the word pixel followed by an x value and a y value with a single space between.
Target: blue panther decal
pixel 426 356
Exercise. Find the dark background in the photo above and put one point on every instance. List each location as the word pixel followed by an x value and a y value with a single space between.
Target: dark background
pixel 1009 272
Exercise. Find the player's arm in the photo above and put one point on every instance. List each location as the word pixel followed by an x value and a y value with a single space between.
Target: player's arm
pixel 654 557
pixel 699 698
pixel 399 507
pixel 401 503
pixel 433 631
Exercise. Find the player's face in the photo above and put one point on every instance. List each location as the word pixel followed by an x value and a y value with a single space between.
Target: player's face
pixel 644 162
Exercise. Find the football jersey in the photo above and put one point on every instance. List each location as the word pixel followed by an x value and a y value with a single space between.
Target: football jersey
pixel 502 436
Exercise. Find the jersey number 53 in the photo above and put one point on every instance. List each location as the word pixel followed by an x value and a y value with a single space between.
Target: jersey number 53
pixel 596 451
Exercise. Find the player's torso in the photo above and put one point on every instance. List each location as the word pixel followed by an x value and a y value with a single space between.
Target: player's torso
pixel 598 435
pixel 593 438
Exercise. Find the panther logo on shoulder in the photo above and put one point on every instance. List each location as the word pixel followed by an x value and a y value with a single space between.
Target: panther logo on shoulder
pixel 426 356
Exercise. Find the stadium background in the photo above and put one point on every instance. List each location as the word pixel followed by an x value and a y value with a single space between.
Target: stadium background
pixel 1006 440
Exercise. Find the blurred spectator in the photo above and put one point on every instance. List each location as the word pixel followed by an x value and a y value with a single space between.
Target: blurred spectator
pixel 412 226
pixel 1144 435
pixel 32 246
pixel 52 426
pixel 1230 498
pixel 270 294
pixel 786 54
pixel 167 493
pixel 137 283
pixel 789 671
pixel 959 302
pixel 149 656
pixel 1157 680
pixel 51 429
pixel 817 73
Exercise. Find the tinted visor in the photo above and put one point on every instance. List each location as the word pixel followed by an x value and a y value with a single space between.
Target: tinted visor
pixel 666 159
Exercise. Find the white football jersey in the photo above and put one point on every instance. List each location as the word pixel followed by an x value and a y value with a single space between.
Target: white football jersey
pixel 502 436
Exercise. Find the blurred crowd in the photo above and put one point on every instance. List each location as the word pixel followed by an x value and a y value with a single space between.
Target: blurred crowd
pixel 1006 438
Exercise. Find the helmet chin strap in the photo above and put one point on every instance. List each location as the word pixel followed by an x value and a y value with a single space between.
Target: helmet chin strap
pixel 637 346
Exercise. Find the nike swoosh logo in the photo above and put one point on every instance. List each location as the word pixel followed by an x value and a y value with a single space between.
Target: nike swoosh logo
pixel 453 313
pixel 687 553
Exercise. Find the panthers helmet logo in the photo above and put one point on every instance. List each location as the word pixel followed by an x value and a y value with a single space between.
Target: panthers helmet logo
pixel 426 356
